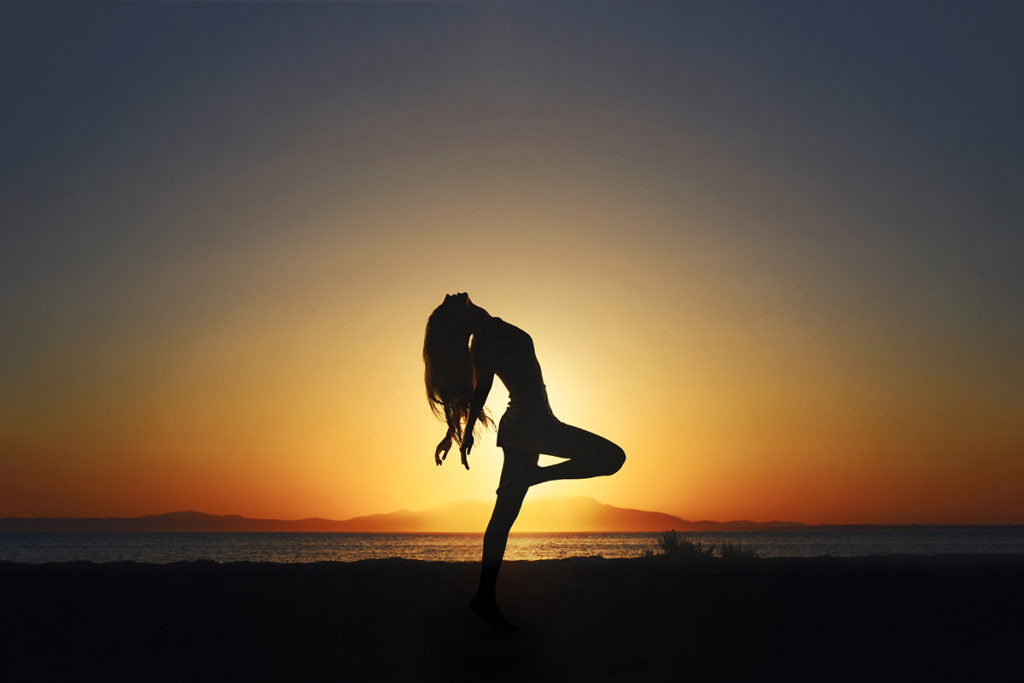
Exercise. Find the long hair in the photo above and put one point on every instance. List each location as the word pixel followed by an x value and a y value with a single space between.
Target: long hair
pixel 449 374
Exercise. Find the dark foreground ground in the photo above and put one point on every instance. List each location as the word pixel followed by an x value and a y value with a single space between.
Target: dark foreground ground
pixel 822 619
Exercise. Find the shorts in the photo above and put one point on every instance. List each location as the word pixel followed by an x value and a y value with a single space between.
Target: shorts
pixel 526 431
pixel 545 433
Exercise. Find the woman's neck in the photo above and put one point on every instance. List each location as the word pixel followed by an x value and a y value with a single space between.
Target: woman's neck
pixel 477 317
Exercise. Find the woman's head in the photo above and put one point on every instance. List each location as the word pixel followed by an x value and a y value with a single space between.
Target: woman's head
pixel 448 358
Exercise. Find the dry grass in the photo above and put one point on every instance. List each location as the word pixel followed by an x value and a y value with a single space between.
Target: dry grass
pixel 677 547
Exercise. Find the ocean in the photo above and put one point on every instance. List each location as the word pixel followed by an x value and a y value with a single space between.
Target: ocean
pixel 349 547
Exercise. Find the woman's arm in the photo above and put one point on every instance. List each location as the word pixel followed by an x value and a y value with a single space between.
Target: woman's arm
pixel 484 380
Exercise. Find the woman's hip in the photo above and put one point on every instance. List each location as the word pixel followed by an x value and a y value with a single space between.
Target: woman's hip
pixel 550 436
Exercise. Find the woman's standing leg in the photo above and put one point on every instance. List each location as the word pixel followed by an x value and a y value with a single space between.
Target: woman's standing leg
pixel 506 509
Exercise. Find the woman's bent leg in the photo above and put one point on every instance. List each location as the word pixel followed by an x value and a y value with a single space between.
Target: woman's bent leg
pixel 588 455
pixel 506 509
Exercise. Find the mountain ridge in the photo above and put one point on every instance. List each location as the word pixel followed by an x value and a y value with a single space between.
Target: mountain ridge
pixel 569 514
pixel 557 515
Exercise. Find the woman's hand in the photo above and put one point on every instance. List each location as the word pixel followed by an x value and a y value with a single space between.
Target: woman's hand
pixel 467 446
pixel 441 452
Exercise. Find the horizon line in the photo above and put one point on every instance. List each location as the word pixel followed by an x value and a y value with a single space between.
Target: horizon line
pixel 407 510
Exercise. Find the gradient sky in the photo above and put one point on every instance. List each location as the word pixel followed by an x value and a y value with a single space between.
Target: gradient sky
pixel 774 250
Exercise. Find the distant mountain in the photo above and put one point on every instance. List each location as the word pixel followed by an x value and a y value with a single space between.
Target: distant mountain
pixel 579 514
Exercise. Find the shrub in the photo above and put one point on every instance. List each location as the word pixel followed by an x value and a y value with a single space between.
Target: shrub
pixel 735 551
pixel 677 547
pixel 680 548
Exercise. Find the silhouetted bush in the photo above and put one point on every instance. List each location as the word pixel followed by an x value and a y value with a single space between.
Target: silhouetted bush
pixel 679 548
pixel 735 551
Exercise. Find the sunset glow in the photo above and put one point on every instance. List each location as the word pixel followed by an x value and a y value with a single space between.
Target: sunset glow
pixel 785 280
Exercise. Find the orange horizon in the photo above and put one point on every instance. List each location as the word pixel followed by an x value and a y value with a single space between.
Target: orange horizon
pixel 551 515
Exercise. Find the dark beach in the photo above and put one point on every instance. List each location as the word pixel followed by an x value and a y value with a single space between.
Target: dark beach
pixel 873 618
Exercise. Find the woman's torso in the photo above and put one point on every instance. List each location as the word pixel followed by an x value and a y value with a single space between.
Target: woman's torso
pixel 509 352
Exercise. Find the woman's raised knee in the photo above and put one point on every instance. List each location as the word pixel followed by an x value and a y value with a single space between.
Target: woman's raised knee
pixel 613 459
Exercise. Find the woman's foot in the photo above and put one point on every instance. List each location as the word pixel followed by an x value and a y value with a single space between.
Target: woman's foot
pixel 526 477
pixel 489 612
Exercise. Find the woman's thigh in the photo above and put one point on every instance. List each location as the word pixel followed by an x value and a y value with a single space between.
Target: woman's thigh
pixel 565 441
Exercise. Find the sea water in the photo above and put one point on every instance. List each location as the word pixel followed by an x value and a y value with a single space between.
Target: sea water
pixel 349 547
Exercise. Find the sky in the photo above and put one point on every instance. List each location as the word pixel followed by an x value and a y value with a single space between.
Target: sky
pixel 774 251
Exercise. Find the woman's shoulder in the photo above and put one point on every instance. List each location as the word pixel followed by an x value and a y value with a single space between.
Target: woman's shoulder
pixel 496 330
pixel 500 328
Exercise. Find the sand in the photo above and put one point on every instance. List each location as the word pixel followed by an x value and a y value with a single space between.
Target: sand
pixel 588 619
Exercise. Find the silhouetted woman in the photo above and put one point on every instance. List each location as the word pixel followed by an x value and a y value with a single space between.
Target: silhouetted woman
pixel 464 348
